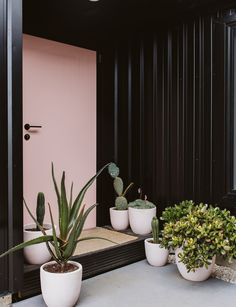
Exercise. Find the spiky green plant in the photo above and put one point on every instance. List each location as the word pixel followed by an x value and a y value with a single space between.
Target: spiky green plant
pixel 155 230
pixel 72 216
pixel 40 210
pixel 121 202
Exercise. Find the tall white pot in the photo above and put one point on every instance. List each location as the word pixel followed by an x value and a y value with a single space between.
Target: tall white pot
pixel 156 255
pixel 61 289
pixel 200 274
pixel 140 220
pixel 119 219
pixel 38 253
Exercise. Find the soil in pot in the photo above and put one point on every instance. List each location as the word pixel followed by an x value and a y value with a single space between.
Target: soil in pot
pixel 56 268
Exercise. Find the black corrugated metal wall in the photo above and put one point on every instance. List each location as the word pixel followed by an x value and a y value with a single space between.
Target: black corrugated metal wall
pixel 165 90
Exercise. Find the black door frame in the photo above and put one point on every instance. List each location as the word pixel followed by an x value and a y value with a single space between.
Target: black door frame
pixel 11 163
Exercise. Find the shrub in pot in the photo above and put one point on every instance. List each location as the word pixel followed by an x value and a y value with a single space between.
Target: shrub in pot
pixel 119 214
pixel 37 254
pixel 61 278
pixel 155 254
pixel 201 234
pixel 141 212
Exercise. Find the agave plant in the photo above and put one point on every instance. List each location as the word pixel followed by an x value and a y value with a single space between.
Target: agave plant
pixel 72 216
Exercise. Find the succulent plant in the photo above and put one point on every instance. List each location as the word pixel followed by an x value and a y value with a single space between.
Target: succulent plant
pixel 155 230
pixel 141 203
pixel 113 170
pixel 202 231
pixel 40 210
pixel 121 202
pixel 72 216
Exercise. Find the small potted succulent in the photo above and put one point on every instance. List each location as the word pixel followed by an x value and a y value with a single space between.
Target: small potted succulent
pixel 119 214
pixel 155 254
pixel 61 278
pixel 202 233
pixel 141 212
pixel 37 254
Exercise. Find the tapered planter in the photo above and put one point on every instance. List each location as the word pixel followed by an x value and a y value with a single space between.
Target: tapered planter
pixel 119 218
pixel 61 289
pixel 156 255
pixel 38 253
pixel 140 220
pixel 200 274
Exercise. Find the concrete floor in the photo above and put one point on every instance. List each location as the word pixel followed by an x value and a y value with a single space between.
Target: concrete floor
pixel 141 285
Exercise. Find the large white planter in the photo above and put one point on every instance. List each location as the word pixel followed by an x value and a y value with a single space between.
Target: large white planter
pixel 140 220
pixel 38 253
pixel 61 289
pixel 119 219
pixel 200 274
pixel 156 255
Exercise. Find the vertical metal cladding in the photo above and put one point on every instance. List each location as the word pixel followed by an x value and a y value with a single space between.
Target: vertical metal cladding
pixel 176 111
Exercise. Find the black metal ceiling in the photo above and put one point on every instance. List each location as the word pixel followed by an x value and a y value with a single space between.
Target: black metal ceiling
pixel 87 23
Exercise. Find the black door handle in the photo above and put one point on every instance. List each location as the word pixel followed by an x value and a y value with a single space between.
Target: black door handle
pixel 28 126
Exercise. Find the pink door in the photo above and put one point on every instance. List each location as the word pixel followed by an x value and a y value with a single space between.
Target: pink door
pixel 59 94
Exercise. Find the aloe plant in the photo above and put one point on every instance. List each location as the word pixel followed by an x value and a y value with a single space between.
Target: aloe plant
pixel 72 216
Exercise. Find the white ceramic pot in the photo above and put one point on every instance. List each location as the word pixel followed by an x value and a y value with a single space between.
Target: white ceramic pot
pixel 38 253
pixel 140 220
pixel 119 219
pixel 200 274
pixel 156 255
pixel 61 289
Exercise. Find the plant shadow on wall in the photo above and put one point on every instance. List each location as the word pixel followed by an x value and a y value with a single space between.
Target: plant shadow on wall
pixel 198 233
pixel 61 278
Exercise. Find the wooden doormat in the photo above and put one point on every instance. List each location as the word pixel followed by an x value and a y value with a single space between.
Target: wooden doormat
pixel 97 244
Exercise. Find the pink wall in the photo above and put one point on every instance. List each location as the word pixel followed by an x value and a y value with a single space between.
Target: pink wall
pixel 59 93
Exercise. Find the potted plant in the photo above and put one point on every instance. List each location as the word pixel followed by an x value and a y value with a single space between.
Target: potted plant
pixel 37 254
pixel 61 278
pixel 119 214
pixel 141 212
pixel 155 254
pixel 197 237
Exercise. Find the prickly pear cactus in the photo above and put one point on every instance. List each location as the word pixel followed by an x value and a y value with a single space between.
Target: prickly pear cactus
pixel 121 203
pixel 113 170
pixel 155 230
pixel 40 210
pixel 118 186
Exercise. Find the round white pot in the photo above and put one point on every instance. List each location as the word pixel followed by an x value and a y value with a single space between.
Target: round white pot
pixel 61 289
pixel 200 274
pixel 140 220
pixel 119 219
pixel 38 253
pixel 156 255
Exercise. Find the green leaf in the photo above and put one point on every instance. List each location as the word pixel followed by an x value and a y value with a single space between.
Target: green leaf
pixel 64 216
pixel 57 193
pixel 128 187
pixel 55 240
pixel 70 246
pixel 71 196
pixel 38 240
pixel 83 219
pixel 79 199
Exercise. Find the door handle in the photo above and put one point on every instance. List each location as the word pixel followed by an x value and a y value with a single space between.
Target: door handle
pixel 28 126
